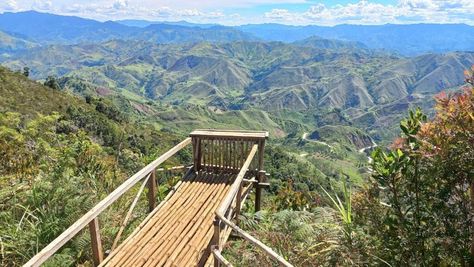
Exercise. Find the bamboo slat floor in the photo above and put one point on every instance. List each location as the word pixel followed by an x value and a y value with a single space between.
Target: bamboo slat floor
pixel 179 233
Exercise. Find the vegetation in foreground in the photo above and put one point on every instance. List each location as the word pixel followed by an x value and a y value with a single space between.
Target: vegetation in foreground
pixel 415 208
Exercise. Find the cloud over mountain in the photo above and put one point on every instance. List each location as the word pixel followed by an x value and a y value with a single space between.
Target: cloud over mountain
pixel 260 11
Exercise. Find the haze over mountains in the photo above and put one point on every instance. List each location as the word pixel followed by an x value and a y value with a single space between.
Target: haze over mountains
pixel 362 71
pixel 412 39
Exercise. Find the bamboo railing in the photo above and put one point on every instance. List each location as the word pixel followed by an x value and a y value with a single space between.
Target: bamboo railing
pixel 214 151
pixel 226 212
pixel 91 217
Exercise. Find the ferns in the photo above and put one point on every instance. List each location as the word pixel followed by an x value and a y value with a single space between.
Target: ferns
pixel 48 181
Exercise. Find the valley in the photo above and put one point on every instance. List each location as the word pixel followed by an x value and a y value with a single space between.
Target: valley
pixel 85 104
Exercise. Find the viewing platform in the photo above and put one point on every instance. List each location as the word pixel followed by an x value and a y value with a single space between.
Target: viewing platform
pixel 192 223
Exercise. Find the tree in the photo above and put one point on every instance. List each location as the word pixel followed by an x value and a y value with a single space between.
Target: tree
pixel 52 82
pixel 418 206
pixel 26 71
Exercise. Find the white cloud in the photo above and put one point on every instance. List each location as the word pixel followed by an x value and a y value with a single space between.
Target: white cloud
pixel 43 5
pixel 366 12
pixel 222 11
pixel 9 5
pixel 120 4
pixel 278 14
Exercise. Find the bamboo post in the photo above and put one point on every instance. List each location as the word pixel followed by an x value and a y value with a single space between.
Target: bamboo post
pixel 96 243
pixel 152 191
pixel 130 210
pixel 218 257
pixel 238 204
pixel 199 154
pixel 194 148
pixel 216 238
pixel 260 176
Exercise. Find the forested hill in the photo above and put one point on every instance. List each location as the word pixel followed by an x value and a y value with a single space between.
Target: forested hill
pixel 370 88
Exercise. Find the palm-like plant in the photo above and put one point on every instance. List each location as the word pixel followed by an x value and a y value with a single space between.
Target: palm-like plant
pixel 344 209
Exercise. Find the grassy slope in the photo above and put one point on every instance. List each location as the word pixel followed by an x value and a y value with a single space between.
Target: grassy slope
pixel 29 97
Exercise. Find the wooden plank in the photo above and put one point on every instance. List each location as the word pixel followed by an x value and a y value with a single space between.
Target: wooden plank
pixel 192 234
pixel 217 233
pixel 142 224
pixel 157 240
pixel 195 154
pixel 145 222
pixel 138 254
pixel 188 226
pixel 199 249
pixel 234 155
pixel 57 243
pixel 205 154
pixel 96 243
pixel 152 191
pixel 143 236
pixel 255 241
pixel 229 155
pixel 175 168
pixel 222 146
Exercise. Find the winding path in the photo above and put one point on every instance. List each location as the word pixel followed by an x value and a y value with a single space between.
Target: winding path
pixel 305 137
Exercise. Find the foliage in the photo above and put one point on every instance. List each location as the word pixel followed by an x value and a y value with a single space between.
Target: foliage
pixel 417 207
pixel 288 198
pixel 344 209
pixel 26 71
pixel 47 180
pixel 52 83
pixel 304 238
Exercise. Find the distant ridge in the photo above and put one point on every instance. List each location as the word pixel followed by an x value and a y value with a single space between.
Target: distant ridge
pixel 318 42
pixel 145 23
pixel 409 40
pixel 46 28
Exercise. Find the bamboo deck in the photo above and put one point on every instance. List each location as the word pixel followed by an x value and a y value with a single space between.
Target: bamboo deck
pixel 180 231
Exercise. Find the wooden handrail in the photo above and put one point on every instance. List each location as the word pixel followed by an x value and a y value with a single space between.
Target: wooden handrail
pixel 238 180
pixel 67 235
pixel 147 219
pixel 218 256
pixel 220 216
pixel 255 241
pixel 175 168
pixel 129 213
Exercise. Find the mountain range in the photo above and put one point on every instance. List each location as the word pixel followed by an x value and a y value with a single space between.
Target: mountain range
pixel 372 90
pixel 269 75
pixel 293 85
pixel 414 39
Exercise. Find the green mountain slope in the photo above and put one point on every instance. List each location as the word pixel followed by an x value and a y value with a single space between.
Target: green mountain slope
pixel 28 97
pixel 9 43
pixel 318 42
pixel 371 88
pixel 267 75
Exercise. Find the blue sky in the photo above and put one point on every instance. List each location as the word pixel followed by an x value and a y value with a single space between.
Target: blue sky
pixel 236 12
